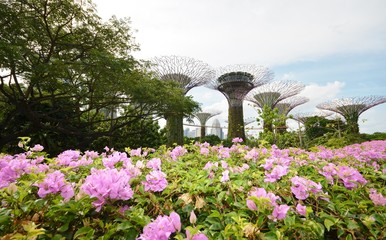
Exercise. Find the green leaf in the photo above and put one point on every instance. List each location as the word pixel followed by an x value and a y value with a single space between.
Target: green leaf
pixel 87 230
pixel 328 224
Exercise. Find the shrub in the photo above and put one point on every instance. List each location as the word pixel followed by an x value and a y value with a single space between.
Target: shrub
pixel 198 191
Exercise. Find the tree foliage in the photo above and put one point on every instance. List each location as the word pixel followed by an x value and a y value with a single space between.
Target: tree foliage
pixel 61 67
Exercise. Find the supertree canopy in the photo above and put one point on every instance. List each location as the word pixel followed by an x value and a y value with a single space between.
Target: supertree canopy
pixel 203 117
pixel 235 81
pixel 303 116
pixel 272 93
pixel 188 73
pixel 285 106
pixel 267 96
pixel 352 108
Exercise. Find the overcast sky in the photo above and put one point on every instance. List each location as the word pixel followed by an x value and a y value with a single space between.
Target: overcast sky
pixel 337 48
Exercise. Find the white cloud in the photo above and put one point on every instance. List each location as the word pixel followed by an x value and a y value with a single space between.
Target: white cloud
pixel 262 32
pixel 318 94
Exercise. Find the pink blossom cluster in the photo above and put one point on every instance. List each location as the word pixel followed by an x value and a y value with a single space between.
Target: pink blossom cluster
pixel 302 187
pixel 279 211
pixel 105 184
pixel 55 183
pixel 223 152
pixel 278 165
pixel 161 228
pixel 116 157
pixel 252 154
pixel 13 167
pixel 377 198
pixel 154 163
pixel 197 236
pixel 155 181
pixel 73 158
pixel 177 152
pixel 350 177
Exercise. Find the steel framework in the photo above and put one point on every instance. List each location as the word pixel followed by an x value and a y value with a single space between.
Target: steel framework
pixel 188 73
pixel 234 82
pixel 274 92
pixel 352 108
pixel 203 117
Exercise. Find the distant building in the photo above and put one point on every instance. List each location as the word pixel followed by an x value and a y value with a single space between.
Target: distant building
pixel 216 129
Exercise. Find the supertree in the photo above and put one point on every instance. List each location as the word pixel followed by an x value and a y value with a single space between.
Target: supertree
pixel 203 117
pixel 302 117
pixel 285 106
pixel 267 96
pixel 188 73
pixel 352 108
pixel 234 82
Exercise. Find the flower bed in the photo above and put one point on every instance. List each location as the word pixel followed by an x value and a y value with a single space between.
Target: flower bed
pixel 195 192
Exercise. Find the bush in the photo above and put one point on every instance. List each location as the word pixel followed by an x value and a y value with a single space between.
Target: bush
pixel 198 190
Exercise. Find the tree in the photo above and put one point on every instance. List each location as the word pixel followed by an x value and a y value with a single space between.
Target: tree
pixel 187 73
pixel 62 67
pixel 234 82
pixel 203 117
pixel 352 108
pixel 269 95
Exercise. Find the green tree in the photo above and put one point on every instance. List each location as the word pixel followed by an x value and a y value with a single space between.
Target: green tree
pixel 62 67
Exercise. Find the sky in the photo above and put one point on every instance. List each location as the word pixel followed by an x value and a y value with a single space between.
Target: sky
pixel 336 48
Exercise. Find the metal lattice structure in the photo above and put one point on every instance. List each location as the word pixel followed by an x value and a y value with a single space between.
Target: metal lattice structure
pixel 285 106
pixel 187 72
pixel 352 108
pixel 203 117
pixel 234 82
pixel 274 92
pixel 303 116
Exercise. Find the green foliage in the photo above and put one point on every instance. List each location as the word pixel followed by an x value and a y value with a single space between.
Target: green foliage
pixel 63 68
pixel 220 206
pixel 211 139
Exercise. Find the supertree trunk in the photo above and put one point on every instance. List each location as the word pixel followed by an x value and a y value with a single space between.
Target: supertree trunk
pixel 236 119
pixel 203 131
pixel 175 130
pixel 187 73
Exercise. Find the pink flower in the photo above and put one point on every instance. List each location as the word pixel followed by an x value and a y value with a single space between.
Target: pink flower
pixel 253 154
pixel 261 193
pixel 302 187
pixel 377 198
pixel 280 212
pixel 105 184
pixel 135 152
pixel 161 228
pixel 175 218
pixel 276 174
pixel 251 205
pixel 350 176
pixel 37 148
pixel 155 181
pixel 55 183
pixel 192 217
pixel 237 140
pixel 154 163
pixel 198 236
pixel 177 152
pixel 204 151
pixel 114 158
pixel 225 176
pixel 302 210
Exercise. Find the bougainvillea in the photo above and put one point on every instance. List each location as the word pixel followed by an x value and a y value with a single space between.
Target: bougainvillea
pixel 195 192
